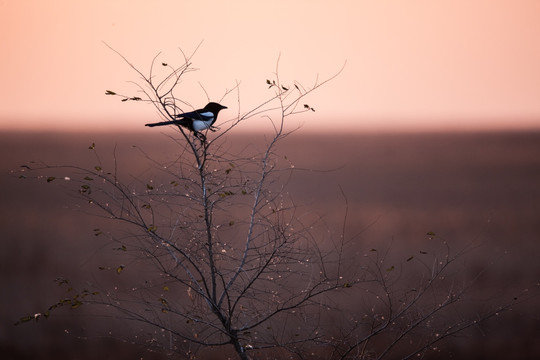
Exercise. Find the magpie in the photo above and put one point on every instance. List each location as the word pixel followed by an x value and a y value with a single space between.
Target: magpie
pixel 197 120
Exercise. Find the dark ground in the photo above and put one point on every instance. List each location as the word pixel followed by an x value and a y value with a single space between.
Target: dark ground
pixel 467 187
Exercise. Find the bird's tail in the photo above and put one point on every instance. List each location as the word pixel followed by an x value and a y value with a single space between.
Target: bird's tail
pixel 174 122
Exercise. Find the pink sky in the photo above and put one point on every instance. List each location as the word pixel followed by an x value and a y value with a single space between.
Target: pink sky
pixel 410 64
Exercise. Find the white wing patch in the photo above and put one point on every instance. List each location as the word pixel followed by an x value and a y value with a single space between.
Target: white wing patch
pixel 207 114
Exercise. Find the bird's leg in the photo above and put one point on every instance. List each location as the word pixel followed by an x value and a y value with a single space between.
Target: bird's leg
pixel 200 136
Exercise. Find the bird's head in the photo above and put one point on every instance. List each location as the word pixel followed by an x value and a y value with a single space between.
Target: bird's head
pixel 214 107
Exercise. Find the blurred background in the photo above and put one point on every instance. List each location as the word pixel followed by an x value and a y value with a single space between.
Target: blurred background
pixel 432 125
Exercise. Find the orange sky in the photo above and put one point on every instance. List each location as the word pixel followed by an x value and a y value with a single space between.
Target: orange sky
pixel 432 64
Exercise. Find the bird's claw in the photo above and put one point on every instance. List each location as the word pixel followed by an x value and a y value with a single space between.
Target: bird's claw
pixel 200 136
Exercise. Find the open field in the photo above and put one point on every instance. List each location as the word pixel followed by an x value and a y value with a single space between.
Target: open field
pixel 479 188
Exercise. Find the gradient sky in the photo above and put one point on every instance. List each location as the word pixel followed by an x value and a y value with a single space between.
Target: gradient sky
pixel 431 64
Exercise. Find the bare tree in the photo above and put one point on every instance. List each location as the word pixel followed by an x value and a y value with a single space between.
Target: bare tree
pixel 226 258
pixel 405 308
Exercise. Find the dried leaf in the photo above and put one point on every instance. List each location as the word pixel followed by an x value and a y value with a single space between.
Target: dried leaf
pixel 119 269
pixel 76 304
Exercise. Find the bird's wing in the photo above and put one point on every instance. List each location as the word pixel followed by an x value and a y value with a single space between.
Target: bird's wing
pixel 197 115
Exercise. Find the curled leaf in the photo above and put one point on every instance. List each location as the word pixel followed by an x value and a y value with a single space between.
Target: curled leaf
pixel 122 248
pixel 76 304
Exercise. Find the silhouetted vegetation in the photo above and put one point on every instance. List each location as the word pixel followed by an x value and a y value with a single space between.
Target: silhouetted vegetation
pixel 221 256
